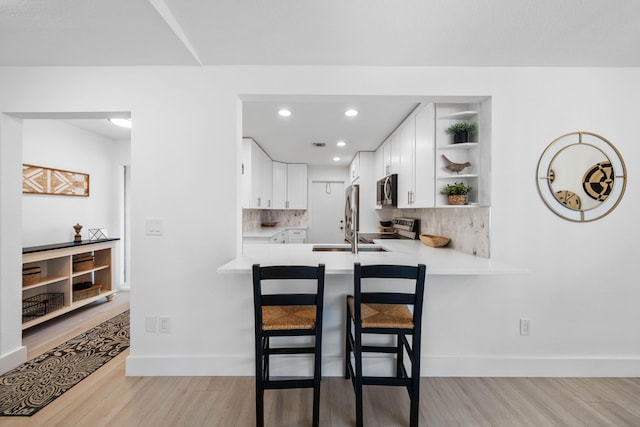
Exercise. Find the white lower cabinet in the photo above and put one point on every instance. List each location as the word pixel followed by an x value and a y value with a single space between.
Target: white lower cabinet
pixel 280 238
pixel 296 236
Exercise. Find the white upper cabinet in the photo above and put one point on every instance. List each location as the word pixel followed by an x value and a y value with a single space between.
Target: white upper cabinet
pixel 256 176
pixel 406 144
pixel 297 186
pixel 268 184
pixel 424 149
pixel 354 168
pixel 279 189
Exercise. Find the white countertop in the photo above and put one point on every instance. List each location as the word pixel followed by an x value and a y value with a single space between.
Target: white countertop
pixel 266 232
pixel 439 261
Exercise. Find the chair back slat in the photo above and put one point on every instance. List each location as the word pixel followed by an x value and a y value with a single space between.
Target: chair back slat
pixel 290 299
pixel 288 272
pixel 388 298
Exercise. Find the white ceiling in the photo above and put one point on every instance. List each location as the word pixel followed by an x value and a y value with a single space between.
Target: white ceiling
pixel 584 33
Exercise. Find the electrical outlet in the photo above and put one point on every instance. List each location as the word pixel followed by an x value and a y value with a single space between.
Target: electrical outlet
pixel 525 327
pixel 164 325
pixel 151 323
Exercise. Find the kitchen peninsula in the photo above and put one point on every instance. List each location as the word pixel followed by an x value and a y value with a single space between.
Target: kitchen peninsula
pixel 439 261
pixel 443 265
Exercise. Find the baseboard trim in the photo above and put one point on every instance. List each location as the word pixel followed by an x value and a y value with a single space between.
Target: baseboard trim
pixel 432 366
pixel 482 366
pixel 13 359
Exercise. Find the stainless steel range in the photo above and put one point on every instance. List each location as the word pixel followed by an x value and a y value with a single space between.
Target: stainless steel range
pixel 403 228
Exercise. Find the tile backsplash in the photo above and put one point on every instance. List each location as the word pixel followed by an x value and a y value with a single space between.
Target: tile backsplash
pixel 253 218
pixel 468 228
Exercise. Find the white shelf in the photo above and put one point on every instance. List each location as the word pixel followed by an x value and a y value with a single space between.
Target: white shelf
pixel 460 176
pixel 461 115
pixel 460 146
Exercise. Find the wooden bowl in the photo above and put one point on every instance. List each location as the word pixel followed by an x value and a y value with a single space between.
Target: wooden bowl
pixel 434 241
pixel 270 224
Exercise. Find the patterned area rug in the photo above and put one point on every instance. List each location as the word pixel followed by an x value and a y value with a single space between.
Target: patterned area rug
pixel 38 382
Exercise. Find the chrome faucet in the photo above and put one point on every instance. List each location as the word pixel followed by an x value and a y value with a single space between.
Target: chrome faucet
pixel 355 217
pixel 354 243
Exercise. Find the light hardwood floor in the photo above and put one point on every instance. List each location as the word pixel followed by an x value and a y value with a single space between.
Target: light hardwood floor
pixel 108 398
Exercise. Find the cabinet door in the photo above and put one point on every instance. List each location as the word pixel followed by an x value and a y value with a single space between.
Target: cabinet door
pixel 354 168
pixel 378 163
pixel 247 196
pixel 279 189
pixel 424 151
pixel 405 142
pixel 267 177
pixel 257 160
pixel 296 186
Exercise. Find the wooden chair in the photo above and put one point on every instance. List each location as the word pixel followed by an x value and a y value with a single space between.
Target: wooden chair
pixel 386 313
pixel 286 315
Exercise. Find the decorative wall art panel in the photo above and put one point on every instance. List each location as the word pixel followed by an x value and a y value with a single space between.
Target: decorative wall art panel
pixel 42 180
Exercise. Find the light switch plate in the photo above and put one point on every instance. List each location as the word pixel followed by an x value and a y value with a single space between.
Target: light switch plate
pixel 153 227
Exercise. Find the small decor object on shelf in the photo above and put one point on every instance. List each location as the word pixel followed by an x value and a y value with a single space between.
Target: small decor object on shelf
pixel 457 193
pixel 98 234
pixel 455 167
pixel 77 237
pixel 462 131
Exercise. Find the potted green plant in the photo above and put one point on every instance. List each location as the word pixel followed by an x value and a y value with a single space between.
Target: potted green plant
pixel 457 193
pixel 462 131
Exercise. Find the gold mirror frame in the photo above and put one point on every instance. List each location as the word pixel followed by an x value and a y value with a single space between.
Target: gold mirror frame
pixel 565 203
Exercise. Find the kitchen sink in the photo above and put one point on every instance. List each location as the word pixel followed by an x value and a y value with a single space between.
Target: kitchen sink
pixel 347 248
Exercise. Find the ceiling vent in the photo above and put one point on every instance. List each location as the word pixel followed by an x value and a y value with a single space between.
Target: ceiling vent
pixel 318 144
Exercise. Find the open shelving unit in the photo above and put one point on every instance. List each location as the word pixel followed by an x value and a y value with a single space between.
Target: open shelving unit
pixel 474 152
pixel 52 294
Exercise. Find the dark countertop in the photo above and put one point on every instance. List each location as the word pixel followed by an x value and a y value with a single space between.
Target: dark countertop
pixel 42 248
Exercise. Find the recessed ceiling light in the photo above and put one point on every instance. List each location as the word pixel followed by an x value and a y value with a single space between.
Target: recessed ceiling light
pixel 336 159
pixel 351 113
pixel 125 123
pixel 284 112
pixel 341 144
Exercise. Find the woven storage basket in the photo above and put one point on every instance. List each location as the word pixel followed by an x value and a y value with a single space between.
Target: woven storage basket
pixel 434 241
pixel 41 304
pixel 82 262
pixel 86 293
pixel 31 275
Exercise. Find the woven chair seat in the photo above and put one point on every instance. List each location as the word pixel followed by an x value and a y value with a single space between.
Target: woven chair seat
pixel 286 317
pixel 383 315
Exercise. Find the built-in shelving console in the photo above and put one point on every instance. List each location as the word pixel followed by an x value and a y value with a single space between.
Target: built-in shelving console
pixel 62 277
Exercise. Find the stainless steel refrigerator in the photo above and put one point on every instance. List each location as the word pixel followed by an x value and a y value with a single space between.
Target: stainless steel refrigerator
pixel 351 213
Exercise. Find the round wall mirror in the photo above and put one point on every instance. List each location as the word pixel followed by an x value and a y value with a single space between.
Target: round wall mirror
pixel 581 176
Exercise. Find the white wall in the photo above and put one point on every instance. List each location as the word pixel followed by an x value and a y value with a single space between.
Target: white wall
pixel 580 295
pixel 58 145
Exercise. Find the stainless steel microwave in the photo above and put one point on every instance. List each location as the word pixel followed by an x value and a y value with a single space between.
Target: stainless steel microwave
pixel 387 191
